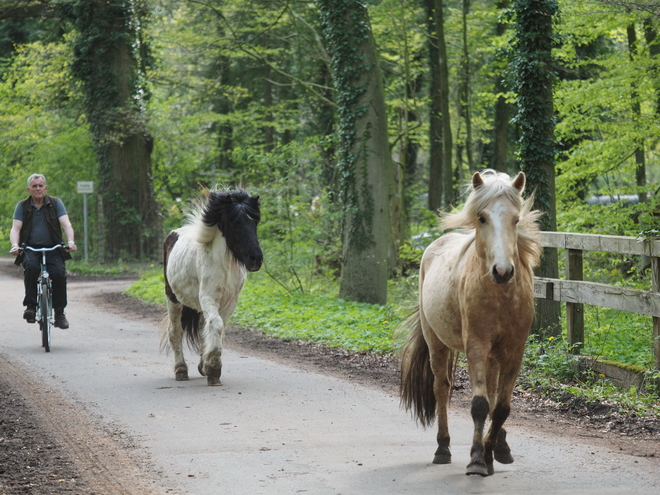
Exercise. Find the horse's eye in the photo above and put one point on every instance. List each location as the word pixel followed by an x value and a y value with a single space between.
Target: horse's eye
pixel 482 219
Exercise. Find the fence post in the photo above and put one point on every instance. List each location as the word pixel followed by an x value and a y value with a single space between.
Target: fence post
pixel 574 311
pixel 655 286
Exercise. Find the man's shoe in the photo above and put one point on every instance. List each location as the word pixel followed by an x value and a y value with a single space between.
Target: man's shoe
pixel 29 314
pixel 60 320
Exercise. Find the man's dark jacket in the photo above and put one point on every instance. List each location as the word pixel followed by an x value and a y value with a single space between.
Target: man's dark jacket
pixel 51 218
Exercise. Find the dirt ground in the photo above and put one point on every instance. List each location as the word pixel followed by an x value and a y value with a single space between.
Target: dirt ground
pixel 40 454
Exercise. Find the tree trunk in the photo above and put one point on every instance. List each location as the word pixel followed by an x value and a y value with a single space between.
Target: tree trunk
pixel 108 61
pixel 326 129
pixel 269 131
pixel 464 99
pixel 651 36
pixel 435 113
pixel 404 171
pixel 533 80
pixel 640 155
pixel 364 157
pixel 640 158
pixel 225 129
pixel 440 176
pixel 501 124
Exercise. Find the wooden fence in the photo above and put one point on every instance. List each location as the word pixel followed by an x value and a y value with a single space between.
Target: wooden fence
pixel 575 292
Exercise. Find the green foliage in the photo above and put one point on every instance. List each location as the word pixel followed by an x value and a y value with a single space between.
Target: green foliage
pixel 602 392
pixel 598 127
pixel 399 28
pixel 619 336
pixel 86 269
pixel 211 105
pixel 150 288
pixel 550 358
pixel 300 229
pixel 316 317
pixel 552 369
pixel 42 130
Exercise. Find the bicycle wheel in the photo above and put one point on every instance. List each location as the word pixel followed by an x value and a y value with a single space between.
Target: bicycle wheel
pixel 44 323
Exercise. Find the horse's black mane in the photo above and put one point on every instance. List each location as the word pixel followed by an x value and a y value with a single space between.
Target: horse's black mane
pixel 228 206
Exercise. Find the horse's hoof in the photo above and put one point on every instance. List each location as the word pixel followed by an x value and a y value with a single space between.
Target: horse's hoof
pixel 502 451
pixel 199 368
pixel 503 456
pixel 181 375
pixel 213 376
pixel 442 458
pixel 213 381
pixel 478 468
pixel 443 452
pixel 490 468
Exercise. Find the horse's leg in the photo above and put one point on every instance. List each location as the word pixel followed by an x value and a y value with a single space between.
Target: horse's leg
pixel 496 439
pixel 211 341
pixel 492 389
pixel 441 362
pixel 202 324
pixel 175 337
pixel 477 357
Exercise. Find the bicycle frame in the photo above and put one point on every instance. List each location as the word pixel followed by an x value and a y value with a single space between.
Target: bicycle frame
pixel 44 314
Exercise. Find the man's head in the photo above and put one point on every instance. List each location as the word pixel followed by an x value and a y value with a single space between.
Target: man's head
pixel 36 186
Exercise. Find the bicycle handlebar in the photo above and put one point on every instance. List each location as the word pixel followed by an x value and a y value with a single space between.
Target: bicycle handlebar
pixel 42 250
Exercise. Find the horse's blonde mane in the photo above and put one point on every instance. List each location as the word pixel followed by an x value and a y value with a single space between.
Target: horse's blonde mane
pixel 193 218
pixel 499 184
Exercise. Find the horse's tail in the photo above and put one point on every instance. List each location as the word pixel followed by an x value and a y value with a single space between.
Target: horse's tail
pixel 416 387
pixel 190 322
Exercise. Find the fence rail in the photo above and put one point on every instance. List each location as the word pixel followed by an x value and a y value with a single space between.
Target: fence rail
pixel 575 292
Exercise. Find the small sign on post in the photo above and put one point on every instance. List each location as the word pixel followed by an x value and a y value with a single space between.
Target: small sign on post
pixel 85 188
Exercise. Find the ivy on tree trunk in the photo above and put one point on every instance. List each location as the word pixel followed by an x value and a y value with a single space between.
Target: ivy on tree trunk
pixel 364 161
pixel 533 78
pixel 108 59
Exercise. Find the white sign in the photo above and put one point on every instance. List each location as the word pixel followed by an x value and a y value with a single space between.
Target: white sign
pixel 85 187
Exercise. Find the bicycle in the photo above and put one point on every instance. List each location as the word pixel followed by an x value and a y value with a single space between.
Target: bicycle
pixel 44 313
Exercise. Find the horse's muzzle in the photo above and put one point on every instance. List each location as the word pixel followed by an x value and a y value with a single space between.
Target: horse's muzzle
pixel 504 277
pixel 253 263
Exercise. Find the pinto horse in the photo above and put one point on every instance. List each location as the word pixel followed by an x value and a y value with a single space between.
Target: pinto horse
pixel 206 263
pixel 475 297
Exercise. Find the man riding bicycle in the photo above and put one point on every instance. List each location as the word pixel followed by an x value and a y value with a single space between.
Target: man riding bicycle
pixel 38 222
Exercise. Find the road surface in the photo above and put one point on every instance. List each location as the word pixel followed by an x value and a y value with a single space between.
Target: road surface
pixel 269 429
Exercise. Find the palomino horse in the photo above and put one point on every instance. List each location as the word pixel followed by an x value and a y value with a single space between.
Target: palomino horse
pixel 476 297
pixel 206 264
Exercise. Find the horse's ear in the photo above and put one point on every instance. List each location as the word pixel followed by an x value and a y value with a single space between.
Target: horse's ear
pixel 519 182
pixel 477 180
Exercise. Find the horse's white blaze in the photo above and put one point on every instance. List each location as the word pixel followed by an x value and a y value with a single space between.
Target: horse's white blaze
pixel 499 233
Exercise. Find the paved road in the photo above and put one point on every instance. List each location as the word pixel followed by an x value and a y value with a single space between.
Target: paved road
pixel 275 429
